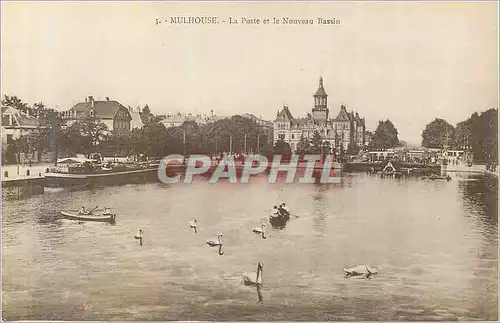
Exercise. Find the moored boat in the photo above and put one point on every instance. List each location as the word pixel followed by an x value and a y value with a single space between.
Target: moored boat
pixel 88 217
pixel 434 177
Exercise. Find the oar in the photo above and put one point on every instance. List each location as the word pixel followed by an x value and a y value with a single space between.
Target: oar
pixel 93 209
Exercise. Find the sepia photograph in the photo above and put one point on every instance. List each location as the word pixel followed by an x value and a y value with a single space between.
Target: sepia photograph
pixel 249 161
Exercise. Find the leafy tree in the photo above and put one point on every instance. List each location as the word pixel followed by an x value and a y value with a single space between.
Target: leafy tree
pixel 15 102
pixel 281 147
pixel 437 134
pixel 85 136
pixel 303 146
pixel 479 134
pixel 51 132
pixel 385 136
pixel 316 144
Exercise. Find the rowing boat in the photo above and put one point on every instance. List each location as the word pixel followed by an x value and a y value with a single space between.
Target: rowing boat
pixel 83 217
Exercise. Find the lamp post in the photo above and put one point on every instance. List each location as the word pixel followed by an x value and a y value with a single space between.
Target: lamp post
pixel 258 144
pixel 245 147
pixel 230 144
pixel 184 140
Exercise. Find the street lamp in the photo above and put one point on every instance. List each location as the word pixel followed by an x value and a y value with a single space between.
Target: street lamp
pixel 245 146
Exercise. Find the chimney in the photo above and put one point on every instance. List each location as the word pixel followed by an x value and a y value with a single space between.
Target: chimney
pixel 85 100
pixel 107 98
pixel 91 100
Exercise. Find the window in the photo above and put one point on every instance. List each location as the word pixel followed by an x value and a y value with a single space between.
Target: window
pixel 281 136
pixel 293 136
pixel 91 113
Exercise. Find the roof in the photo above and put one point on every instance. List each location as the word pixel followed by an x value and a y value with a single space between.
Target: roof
pixel 73 160
pixel 302 121
pixel 321 90
pixel 19 120
pixel 102 109
pixel 136 122
pixel 284 115
pixel 343 114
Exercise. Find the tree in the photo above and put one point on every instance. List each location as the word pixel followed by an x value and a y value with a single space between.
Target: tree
pixel 85 136
pixel 386 136
pixel 316 144
pixel 15 102
pixel 303 146
pixel 146 115
pixel 479 134
pixel 281 147
pixel 50 134
pixel 437 134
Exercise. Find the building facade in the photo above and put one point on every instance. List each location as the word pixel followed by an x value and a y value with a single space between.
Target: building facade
pixel 346 130
pixel 16 124
pixel 113 114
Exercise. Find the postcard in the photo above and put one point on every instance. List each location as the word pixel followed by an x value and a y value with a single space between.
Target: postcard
pixel 249 161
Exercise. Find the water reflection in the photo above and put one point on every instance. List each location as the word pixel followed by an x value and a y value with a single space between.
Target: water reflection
pixel 259 294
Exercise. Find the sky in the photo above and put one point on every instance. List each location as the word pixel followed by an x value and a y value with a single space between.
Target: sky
pixel 406 62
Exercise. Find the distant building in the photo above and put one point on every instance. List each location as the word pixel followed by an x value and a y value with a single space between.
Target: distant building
pixel 136 121
pixel 346 130
pixel 112 113
pixel 177 119
pixel 16 124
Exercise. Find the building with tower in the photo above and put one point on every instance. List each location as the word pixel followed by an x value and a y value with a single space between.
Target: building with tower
pixel 345 131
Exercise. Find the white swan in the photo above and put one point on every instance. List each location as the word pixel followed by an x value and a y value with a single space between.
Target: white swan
pixel 215 242
pixel 360 270
pixel 261 230
pixel 247 281
pixel 192 224
pixel 139 235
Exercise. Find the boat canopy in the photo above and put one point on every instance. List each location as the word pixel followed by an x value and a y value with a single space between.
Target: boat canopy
pixel 73 160
pixel 389 168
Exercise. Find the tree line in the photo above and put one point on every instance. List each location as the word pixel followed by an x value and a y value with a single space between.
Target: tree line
pixel 478 135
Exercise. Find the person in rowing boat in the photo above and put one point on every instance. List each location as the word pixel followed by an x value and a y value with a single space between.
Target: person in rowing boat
pixel 85 212
pixel 285 209
pixel 282 211
pixel 275 212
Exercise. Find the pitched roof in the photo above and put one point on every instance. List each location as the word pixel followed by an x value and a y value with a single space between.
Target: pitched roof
pixel 19 120
pixel 136 122
pixel 102 109
pixel 302 121
pixel 284 115
pixel 343 114
pixel 321 90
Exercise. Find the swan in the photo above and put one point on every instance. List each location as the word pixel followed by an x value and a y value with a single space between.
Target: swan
pixel 192 224
pixel 360 270
pixel 215 242
pixel 261 230
pixel 139 235
pixel 247 281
